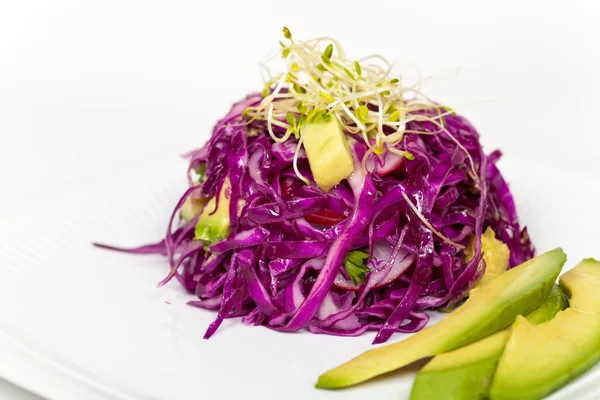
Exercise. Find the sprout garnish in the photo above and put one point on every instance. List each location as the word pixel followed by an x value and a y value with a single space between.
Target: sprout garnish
pixel 368 103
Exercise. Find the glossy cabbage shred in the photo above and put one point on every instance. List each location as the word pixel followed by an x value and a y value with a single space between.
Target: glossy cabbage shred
pixel 281 271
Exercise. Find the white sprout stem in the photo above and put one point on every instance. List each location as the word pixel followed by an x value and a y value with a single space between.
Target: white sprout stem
pixel 352 117
pixel 265 70
pixel 269 98
pixel 365 158
pixel 379 121
pixel 337 44
pixel 398 151
pixel 375 57
pixel 397 136
pixel 428 225
pixel 360 126
pixel 295 163
pixel 358 96
pixel 270 122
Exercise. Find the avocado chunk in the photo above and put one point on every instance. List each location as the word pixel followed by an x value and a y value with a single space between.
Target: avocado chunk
pixel 495 253
pixel 327 150
pixel 537 360
pixel 582 284
pixel 466 373
pixel 191 208
pixel 213 225
pixel 491 308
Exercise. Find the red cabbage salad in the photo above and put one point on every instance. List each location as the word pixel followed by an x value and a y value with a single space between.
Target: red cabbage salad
pixel 338 200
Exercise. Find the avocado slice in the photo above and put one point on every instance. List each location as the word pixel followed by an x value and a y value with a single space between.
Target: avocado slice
pixel 582 284
pixel 191 208
pixel 495 253
pixel 213 225
pixel 491 308
pixel 327 150
pixel 538 360
pixel 466 373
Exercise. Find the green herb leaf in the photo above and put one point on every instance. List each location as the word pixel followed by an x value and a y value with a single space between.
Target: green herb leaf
pixel 201 172
pixel 355 264
pixel 326 96
pixel 298 88
pixel 286 33
pixel 285 53
pixel 358 68
pixel 321 67
pixel 300 124
pixel 409 156
pixel 394 117
pixel 290 118
pixel 385 93
pixel 350 74
pixel 449 110
pixel 328 52
pixel 395 80
pixel 302 108
pixel 442 118
pixel 362 113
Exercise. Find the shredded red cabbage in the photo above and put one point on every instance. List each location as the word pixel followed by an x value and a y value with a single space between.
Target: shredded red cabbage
pixel 279 270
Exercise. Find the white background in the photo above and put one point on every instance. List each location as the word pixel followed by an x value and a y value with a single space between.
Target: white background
pixel 91 89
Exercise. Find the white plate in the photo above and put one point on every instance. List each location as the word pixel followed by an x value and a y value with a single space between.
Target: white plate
pixel 81 323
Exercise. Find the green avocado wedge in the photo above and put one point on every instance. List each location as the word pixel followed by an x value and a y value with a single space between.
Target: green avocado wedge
pixel 191 208
pixel 466 373
pixel 493 307
pixel 582 284
pixel 327 150
pixel 213 222
pixel 537 360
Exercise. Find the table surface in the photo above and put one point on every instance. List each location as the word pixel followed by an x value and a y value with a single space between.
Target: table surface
pixel 88 90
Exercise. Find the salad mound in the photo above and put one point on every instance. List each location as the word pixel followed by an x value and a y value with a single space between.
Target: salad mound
pixel 338 200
